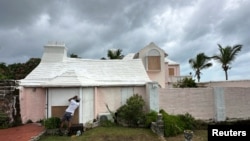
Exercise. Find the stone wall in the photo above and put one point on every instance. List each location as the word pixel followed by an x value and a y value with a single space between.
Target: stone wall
pixel 9 104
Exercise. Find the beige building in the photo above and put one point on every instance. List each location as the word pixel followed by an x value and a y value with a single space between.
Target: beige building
pixel 157 65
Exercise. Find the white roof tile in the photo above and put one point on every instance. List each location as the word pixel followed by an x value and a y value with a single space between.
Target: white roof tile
pixel 85 72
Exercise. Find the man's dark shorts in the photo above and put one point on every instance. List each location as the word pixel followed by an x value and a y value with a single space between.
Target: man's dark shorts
pixel 67 116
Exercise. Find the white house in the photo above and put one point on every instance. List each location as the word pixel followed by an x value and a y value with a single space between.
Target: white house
pixel 45 91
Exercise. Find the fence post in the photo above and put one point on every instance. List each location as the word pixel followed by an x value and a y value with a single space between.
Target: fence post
pixel 219 104
pixel 152 96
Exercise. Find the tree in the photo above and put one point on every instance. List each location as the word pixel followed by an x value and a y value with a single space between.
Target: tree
pixel 3 71
pixel 21 70
pixel 72 55
pixel 18 70
pixel 186 83
pixel 199 63
pixel 227 56
pixel 115 54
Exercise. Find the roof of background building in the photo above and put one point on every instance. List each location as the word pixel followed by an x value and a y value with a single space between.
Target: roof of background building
pixel 171 62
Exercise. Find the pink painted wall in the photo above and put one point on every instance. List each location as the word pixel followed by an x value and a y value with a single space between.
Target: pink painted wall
pixel 201 102
pixel 32 104
pixel 229 83
pixel 113 97
pixel 195 101
pixel 33 100
pixel 237 102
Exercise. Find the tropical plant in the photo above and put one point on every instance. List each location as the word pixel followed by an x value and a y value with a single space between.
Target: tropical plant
pixel 115 54
pixel 186 83
pixel 199 63
pixel 132 113
pixel 176 124
pixel 227 56
pixel 72 55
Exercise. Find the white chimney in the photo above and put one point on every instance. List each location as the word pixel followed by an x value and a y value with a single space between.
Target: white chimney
pixel 54 52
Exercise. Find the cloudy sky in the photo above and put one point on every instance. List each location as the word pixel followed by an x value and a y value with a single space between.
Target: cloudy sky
pixel 183 28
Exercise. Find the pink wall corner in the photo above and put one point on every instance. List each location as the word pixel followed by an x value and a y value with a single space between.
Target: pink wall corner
pixel 32 104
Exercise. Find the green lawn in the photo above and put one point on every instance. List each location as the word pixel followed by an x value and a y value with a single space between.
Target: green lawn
pixel 122 134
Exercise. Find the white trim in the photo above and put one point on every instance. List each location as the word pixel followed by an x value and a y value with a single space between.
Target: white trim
pixel 46 103
pixel 49 103
pixel 81 105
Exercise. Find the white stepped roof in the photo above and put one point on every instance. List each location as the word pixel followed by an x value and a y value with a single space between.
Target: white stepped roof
pixel 84 72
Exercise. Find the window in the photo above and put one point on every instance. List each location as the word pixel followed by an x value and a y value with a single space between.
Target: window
pixel 153 60
pixel 171 71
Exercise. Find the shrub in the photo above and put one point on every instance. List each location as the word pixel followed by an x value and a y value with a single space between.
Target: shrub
pixel 189 121
pixel 176 124
pixel 52 123
pixel 186 83
pixel 132 113
pixel 150 117
pixel 29 121
pixel 4 120
pixel 107 123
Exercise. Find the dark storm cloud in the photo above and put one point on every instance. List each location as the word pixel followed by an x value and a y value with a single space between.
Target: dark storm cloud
pixel 90 27
pixel 19 12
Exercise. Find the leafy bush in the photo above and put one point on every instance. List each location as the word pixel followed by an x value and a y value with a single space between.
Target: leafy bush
pixel 186 83
pixel 176 124
pixel 52 123
pixel 188 119
pixel 150 117
pixel 107 123
pixel 4 120
pixel 29 121
pixel 132 113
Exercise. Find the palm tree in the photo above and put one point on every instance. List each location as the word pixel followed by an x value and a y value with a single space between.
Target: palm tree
pixel 115 54
pixel 199 63
pixel 227 56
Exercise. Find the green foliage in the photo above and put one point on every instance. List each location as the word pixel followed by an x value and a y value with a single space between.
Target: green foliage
pixel 176 124
pixel 186 83
pixel 52 123
pixel 29 121
pixel 18 70
pixel 72 55
pixel 107 123
pixel 132 113
pixel 150 117
pixel 4 120
pixel 188 119
pixel 199 63
pixel 3 71
pixel 227 56
pixel 115 54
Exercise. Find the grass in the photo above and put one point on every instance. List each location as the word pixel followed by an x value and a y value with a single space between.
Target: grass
pixel 122 134
pixel 199 135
